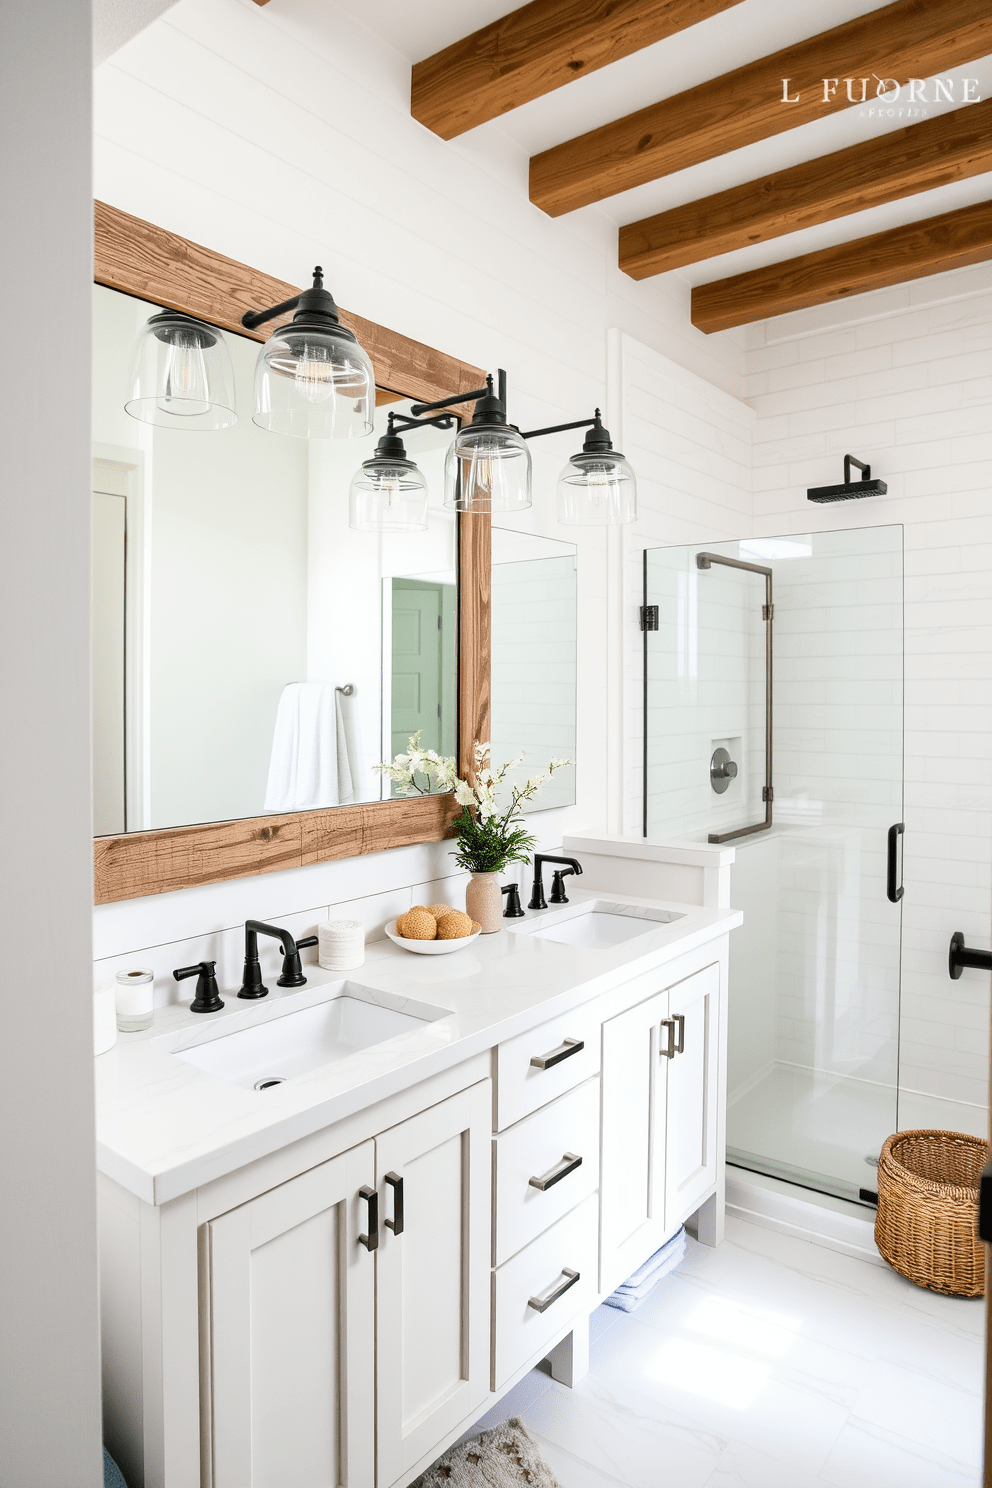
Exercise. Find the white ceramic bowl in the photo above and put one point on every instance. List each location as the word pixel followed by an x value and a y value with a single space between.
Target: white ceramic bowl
pixel 430 947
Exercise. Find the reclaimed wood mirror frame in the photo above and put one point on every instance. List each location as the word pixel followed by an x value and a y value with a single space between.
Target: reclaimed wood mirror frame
pixel 152 264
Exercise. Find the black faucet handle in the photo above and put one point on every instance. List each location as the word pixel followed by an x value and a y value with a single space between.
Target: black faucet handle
pixel 514 909
pixel 558 895
pixel 292 967
pixel 207 999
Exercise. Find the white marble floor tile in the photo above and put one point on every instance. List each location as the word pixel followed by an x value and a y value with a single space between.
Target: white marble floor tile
pixel 742 1393
pixel 571 1471
pixel 745 1467
pixel 625 1435
pixel 769 1362
pixel 868 1456
pixel 910 1403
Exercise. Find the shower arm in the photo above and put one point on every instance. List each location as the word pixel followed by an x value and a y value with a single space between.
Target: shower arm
pixel 704 561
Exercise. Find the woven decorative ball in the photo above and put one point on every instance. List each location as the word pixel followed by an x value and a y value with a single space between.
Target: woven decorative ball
pixel 927 1221
pixel 418 924
pixel 453 926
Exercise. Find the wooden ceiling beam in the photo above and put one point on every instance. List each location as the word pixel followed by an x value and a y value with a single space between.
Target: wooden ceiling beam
pixel 920 157
pixel 536 49
pixel 950 241
pixel 910 38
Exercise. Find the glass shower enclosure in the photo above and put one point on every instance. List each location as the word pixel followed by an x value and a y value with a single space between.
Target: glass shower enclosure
pixel 773 695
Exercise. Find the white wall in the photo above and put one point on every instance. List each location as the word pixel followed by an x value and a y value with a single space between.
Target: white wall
pixel 49 1363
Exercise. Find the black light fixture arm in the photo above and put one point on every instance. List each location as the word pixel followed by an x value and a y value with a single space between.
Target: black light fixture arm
pixel 850 460
pixel 417 409
pixel 252 319
pixel 399 423
pixel 560 428
pixel 315 304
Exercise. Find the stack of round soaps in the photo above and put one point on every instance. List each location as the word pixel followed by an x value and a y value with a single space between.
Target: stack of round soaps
pixel 435 922
pixel 341 944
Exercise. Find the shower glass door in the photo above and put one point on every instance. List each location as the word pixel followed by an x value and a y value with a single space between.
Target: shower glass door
pixel 815 968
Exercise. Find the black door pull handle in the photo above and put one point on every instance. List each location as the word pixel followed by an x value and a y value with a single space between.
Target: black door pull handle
pixel 893 894
pixel 396 1184
pixel 371 1240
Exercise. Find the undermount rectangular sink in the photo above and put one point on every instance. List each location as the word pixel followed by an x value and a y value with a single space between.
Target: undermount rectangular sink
pixel 271 1052
pixel 601 926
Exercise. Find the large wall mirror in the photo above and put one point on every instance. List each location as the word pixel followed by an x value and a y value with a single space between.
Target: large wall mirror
pixel 254 656
pixel 534 658
pixel 252 653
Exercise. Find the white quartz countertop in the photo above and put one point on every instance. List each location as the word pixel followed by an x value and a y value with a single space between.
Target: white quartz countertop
pixel 164 1126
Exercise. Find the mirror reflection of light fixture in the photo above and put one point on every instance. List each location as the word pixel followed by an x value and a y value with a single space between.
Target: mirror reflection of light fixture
pixel 182 376
pixel 312 379
pixel 597 488
pixel 389 493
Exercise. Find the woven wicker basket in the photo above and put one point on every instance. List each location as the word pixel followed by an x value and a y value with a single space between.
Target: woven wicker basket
pixel 927 1221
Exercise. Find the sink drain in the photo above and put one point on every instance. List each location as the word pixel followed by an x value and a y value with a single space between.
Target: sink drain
pixel 270 1080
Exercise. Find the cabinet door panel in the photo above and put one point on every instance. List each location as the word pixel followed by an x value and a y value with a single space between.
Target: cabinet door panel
pixel 692 1094
pixel 290 1297
pixel 432 1299
pixel 632 1179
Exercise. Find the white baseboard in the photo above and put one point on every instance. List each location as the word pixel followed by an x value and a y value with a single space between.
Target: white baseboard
pixel 819 1218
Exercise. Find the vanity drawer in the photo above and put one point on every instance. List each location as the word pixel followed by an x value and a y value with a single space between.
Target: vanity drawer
pixel 538 1066
pixel 544 1147
pixel 557 1272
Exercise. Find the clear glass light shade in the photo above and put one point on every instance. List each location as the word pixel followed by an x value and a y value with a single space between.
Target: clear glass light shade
pixel 389 498
pixel 487 469
pixel 181 376
pixel 314 384
pixel 597 490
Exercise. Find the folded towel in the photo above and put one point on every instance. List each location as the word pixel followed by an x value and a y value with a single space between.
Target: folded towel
pixel 310 765
pixel 631 1293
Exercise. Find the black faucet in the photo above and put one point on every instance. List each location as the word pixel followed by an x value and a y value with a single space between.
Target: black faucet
pixel 558 895
pixel 292 973
pixel 207 999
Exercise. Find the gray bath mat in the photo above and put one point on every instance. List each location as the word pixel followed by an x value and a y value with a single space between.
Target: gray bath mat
pixel 504 1457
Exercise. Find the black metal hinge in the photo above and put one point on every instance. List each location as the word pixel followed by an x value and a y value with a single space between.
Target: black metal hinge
pixel 767 612
pixel 767 793
pixel 649 617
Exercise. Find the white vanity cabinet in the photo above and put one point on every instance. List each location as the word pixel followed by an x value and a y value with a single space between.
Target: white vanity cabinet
pixel 336 1310
pixel 432 1283
pixel 349 1308
pixel 660 1131
pixel 287 1365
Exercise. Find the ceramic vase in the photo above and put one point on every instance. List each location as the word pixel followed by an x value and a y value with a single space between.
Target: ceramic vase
pixel 484 901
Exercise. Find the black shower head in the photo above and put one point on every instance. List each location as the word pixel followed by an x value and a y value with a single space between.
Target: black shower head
pixel 850 490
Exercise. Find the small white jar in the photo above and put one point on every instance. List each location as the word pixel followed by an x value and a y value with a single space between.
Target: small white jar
pixel 135 1000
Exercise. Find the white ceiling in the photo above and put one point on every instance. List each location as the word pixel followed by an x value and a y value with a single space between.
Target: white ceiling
pixel 749 30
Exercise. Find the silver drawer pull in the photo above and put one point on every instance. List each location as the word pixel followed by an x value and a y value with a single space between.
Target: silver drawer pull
pixel 671 1051
pixel 563 1051
pixel 554 1175
pixel 541 1304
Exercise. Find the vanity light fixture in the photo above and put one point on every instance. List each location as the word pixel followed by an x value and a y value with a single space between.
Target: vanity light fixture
pixel 182 376
pixel 488 467
pixel 312 379
pixel 389 493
